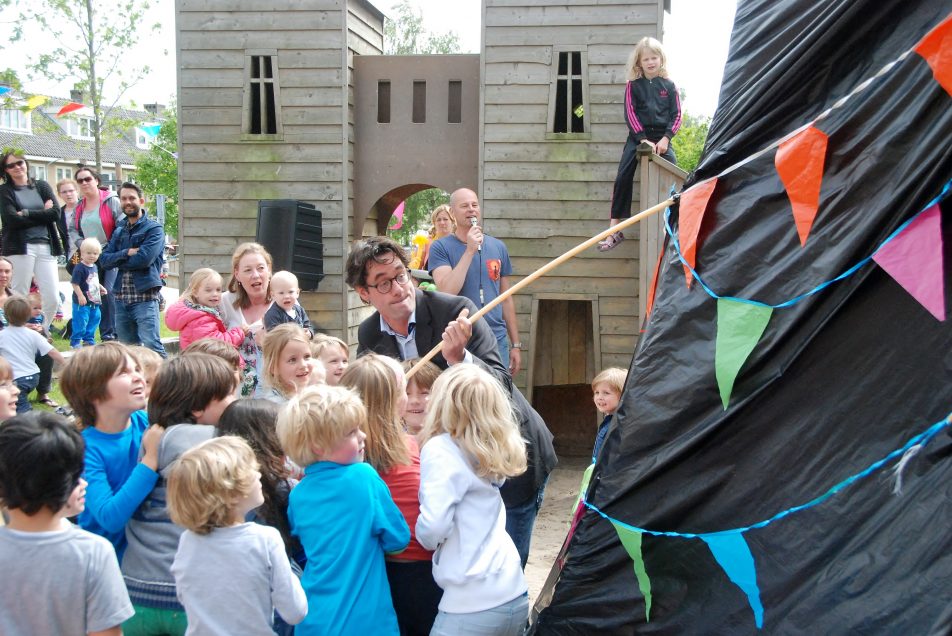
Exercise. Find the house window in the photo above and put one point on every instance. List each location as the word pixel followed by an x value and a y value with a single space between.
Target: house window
pixel 64 173
pixel 79 127
pixel 383 101
pixel 261 115
pixel 143 141
pixel 107 176
pixel 13 119
pixel 568 92
pixel 38 172
pixel 454 113
pixel 419 102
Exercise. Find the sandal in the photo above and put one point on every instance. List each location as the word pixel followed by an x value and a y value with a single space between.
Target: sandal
pixel 48 401
pixel 611 242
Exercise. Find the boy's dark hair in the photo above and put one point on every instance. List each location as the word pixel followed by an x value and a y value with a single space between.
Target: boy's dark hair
pixel 128 185
pixel 41 461
pixel 187 384
pixel 17 310
pixel 379 249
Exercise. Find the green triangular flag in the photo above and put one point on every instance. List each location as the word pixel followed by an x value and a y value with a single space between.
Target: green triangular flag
pixel 739 328
pixel 583 488
pixel 632 542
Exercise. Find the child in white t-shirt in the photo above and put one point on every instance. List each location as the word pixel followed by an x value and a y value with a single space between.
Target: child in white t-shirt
pixel 20 345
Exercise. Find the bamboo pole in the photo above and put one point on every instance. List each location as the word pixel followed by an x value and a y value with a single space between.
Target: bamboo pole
pixel 542 271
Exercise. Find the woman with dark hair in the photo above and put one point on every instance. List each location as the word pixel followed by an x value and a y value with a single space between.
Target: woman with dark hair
pixel 97 215
pixel 34 232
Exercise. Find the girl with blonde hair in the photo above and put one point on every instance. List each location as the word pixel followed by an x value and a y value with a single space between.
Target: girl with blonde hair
pixel 197 312
pixel 287 361
pixel 381 385
pixel 471 444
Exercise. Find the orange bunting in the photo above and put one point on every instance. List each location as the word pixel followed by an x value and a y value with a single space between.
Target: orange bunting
pixel 799 162
pixel 692 208
pixel 936 49
pixel 68 108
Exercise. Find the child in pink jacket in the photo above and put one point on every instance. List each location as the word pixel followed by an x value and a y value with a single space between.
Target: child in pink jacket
pixel 196 315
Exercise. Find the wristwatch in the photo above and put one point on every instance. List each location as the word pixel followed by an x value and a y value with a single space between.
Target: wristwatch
pixel 516 345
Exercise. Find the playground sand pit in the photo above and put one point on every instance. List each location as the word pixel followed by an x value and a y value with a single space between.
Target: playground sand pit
pixel 553 520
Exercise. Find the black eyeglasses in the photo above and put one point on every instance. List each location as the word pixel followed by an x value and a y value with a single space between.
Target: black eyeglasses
pixel 15 164
pixel 385 286
pixel 84 179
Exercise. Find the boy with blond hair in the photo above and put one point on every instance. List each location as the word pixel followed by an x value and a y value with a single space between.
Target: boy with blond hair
pixel 343 514
pixel 211 489
pixel 606 388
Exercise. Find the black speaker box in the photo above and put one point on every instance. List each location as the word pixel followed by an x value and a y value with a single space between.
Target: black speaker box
pixel 291 231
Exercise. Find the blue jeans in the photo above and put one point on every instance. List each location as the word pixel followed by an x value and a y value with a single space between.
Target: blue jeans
pixel 138 323
pixel 26 384
pixel 107 326
pixel 508 619
pixel 519 522
pixel 502 344
pixel 85 320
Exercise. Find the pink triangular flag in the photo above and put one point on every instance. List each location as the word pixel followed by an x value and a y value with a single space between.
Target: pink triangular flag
pixel 914 259
pixel 398 215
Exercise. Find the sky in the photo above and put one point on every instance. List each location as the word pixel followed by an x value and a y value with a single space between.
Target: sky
pixel 696 35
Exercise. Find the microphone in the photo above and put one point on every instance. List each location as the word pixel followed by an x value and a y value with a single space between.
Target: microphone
pixel 474 223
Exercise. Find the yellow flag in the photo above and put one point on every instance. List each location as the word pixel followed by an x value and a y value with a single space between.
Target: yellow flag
pixel 36 101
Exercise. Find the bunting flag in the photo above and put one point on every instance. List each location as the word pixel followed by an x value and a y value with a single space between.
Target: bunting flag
pixel 914 259
pixel 151 130
pixel 731 552
pixel 936 49
pixel 398 215
pixel 35 102
pixel 692 207
pixel 4 90
pixel 739 328
pixel 799 162
pixel 631 540
pixel 69 108
pixel 583 487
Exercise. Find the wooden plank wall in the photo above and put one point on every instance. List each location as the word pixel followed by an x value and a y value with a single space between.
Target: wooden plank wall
pixel 543 196
pixel 364 37
pixel 223 175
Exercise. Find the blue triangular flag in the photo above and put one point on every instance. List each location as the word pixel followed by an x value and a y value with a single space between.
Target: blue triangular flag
pixel 731 552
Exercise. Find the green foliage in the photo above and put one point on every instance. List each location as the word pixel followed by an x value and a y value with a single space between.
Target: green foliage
pixel 416 214
pixel 406 35
pixel 89 46
pixel 689 142
pixel 157 170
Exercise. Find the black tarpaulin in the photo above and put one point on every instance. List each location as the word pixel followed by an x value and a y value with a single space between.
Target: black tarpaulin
pixel 837 381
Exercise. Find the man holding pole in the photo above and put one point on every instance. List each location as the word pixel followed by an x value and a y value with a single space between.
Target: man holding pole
pixel 475 265
pixel 409 322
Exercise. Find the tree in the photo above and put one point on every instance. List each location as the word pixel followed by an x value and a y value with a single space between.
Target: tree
pixel 689 142
pixel 416 213
pixel 157 170
pixel 88 45
pixel 406 35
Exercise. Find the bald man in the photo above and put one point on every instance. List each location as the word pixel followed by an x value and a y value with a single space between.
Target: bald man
pixel 475 265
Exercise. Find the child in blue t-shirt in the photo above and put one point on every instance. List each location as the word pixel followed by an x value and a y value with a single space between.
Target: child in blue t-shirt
pixel 87 294
pixel 343 514
pixel 606 388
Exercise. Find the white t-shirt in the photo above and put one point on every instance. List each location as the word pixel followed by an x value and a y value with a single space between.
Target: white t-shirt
pixel 20 346
pixel 64 582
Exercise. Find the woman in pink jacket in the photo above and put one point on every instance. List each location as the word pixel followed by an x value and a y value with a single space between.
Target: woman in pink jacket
pixel 196 314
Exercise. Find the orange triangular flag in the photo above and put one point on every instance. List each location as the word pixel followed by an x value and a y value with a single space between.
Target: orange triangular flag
pixel 692 208
pixel 68 108
pixel 799 163
pixel 936 49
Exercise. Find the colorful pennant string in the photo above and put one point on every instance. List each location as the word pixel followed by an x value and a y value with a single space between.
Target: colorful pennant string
pixel 152 130
pixel 691 213
pixel 4 90
pixel 35 102
pixel 799 163
pixel 398 215
pixel 739 329
pixel 69 108
pixel 936 49
pixel 729 548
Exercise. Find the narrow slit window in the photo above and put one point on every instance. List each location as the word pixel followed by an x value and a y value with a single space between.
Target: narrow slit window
pixel 567 108
pixel 261 109
pixel 383 101
pixel 454 113
pixel 419 102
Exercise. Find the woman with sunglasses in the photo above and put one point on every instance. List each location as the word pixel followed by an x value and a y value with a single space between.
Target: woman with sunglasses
pixel 97 215
pixel 34 232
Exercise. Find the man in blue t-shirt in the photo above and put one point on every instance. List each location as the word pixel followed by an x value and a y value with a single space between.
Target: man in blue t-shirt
pixel 475 265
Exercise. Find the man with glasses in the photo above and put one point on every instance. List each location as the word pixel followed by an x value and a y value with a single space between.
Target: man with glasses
pixel 136 250
pixel 409 322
